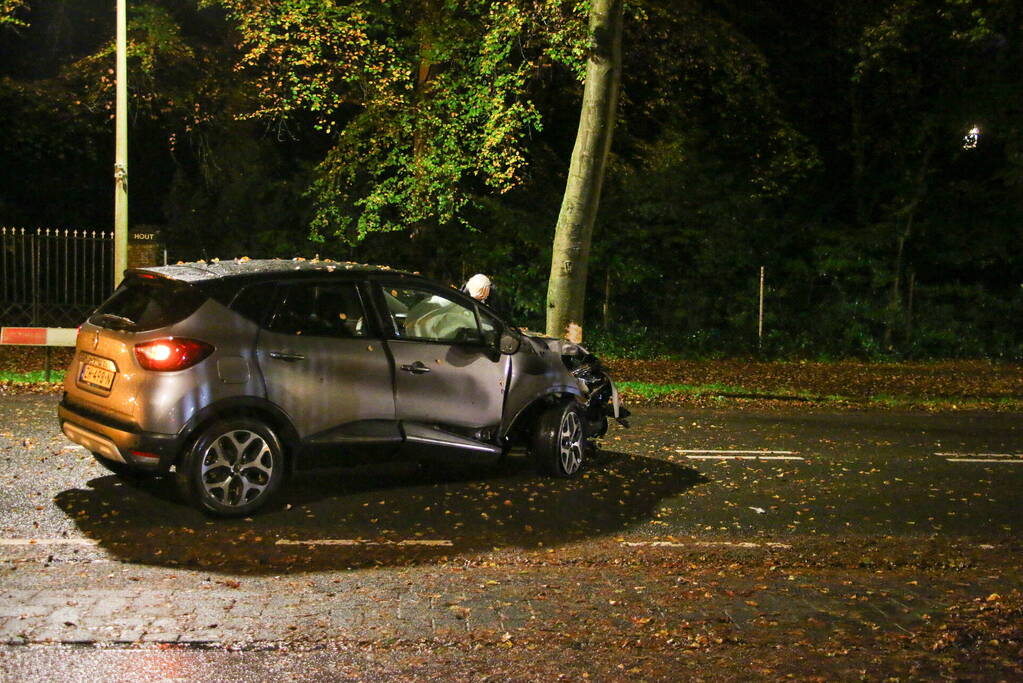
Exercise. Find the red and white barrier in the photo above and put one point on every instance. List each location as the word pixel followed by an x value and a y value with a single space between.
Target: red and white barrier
pixel 38 336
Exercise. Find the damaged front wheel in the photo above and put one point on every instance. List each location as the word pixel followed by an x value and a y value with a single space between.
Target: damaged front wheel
pixel 559 441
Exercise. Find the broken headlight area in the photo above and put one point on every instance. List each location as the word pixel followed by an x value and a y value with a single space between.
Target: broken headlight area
pixel 602 400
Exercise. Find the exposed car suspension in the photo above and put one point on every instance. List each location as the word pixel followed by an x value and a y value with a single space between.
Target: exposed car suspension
pixel 602 398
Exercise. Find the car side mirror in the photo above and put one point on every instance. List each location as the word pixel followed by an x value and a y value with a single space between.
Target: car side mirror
pixel 509 343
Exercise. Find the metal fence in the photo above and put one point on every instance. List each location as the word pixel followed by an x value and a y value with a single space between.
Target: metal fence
pixel 53 277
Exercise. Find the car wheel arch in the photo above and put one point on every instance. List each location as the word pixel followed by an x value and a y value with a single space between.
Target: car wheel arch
pixel 520 426
pixel 257 409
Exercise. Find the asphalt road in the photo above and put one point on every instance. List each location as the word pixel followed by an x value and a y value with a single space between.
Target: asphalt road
pixel 699 543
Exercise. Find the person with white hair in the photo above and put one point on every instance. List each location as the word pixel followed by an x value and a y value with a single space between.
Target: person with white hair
pixel 480 287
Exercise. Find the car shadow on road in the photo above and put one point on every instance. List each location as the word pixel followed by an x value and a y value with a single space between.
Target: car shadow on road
pixel 382 516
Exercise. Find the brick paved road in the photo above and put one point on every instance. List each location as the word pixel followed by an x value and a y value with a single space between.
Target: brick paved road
pixel 660 560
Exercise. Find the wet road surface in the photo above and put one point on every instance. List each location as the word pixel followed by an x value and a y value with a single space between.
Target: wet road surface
pixel 699 543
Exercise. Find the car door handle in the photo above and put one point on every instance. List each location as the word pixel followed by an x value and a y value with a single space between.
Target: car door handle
pixel 289 357
pixel 416 368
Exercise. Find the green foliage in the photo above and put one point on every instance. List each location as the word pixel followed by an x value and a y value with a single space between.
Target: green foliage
pixel 824 142
pixel 428 102
pixel 633 341
pixel 10 11
pixel 689 221
pixel 173 78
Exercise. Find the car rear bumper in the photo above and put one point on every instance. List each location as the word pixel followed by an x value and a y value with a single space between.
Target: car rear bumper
pixel 117 441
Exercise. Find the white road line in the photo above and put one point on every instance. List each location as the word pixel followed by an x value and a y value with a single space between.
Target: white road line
pixel 745 457
pixel 362 541
pixel 734 452
pixel 1004 458
pixel 46 541
pixel 704 454
pixel 995 460
pixel 703 544
pixel 980 455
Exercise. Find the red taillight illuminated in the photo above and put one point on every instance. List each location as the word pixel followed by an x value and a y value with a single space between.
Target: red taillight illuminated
pixel 167 355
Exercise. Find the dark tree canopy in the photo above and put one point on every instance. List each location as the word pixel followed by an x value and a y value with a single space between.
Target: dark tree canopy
pixel 869 155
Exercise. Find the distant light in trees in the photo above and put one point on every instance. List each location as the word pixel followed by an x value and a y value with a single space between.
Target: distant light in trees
pixel 971 138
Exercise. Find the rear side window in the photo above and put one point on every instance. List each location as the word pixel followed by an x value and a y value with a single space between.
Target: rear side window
pixel 319 310
pixel 255 301
pixel 144 304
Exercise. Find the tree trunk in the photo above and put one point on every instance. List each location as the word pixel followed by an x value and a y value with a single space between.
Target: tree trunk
pixel 895 308
pixel 566 290
pixel 910 290
pixel 429 13
pixel 895 298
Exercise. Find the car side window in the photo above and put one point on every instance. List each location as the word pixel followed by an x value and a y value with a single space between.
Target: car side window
pixel 319 309
pixel 255 301
pixel 428 316
pixel 490 328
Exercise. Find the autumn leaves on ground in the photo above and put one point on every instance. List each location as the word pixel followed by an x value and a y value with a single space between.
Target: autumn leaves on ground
pixel 944 385
pixel 734 383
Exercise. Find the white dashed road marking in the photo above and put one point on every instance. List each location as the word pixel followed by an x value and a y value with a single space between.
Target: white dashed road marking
pixel 362 541
pixel 695 454
pixel 1003 462
pixel 1002 458
pixel 702 544
pixel 981 455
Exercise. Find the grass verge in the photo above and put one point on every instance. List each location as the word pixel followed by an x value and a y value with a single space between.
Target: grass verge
pixel 33 377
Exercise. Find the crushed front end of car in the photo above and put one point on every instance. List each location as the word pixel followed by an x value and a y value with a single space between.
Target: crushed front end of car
pixel 601 397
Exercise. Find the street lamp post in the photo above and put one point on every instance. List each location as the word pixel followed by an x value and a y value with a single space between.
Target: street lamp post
pixel 121 150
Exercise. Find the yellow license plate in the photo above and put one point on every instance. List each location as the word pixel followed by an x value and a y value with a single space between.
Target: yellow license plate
pixel 99 377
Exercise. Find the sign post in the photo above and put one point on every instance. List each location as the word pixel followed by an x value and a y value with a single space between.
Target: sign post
pixel 760 315
pixel 145 244
pixel 121 149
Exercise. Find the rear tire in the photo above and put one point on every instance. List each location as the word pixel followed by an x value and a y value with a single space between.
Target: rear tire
pixel 233 468
pixel 559 441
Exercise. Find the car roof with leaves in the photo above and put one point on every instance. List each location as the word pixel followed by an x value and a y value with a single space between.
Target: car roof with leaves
pixel 196 272
pixel 223 279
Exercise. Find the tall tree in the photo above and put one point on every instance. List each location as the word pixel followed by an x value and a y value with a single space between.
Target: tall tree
pixel 570 258
pixel 933 63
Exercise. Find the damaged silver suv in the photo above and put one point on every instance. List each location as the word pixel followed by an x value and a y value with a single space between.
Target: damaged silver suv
pixel 236 373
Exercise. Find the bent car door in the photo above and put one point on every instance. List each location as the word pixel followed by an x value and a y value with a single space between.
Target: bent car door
pixel 450 380
pixel 325 366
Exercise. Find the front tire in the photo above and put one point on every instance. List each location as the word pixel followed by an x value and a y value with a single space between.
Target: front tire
pixel 559 441
pixel 233 468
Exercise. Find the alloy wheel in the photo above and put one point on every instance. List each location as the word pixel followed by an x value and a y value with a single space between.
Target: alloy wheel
pixel 237 467
pixel 571 442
